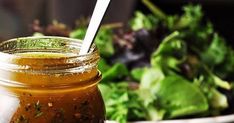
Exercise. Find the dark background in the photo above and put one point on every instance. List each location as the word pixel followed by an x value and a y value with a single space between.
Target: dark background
pixel 17 15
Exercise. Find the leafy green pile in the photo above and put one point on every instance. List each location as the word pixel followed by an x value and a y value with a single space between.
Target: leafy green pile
pixel 187 75
pixel 166 67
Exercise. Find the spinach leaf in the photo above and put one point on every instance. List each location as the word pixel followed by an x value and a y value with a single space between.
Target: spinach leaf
pixel 78 33
pixel 216 52
pixel 141 21
pixel 180 97
pixel 151 77
pixel 104 42
pixel 117 71
pixel 137 73
pixel 103 66
pixel 225 70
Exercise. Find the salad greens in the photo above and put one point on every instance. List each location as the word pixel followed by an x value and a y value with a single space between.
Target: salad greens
pixel 185 76
pixel 165 67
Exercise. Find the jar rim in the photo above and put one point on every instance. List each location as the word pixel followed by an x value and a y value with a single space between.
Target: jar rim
pixel 69 47
pixel 91 52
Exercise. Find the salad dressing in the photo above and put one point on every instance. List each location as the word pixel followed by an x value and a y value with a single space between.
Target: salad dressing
pixel 50 88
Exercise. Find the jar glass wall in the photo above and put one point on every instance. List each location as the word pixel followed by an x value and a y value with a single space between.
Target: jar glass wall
pixel 44 80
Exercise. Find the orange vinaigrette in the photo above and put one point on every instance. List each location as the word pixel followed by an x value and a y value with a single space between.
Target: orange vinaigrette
pixel 49 83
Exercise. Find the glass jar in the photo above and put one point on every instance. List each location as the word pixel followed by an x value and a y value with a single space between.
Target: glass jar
pixel 44 80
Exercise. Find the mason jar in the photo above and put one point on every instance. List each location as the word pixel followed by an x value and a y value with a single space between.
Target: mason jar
pixel 44 80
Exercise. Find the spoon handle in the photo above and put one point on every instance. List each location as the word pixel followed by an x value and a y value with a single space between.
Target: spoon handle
pixel 99 11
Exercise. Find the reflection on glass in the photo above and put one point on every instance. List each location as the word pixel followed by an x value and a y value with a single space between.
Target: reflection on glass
pixel 8 106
